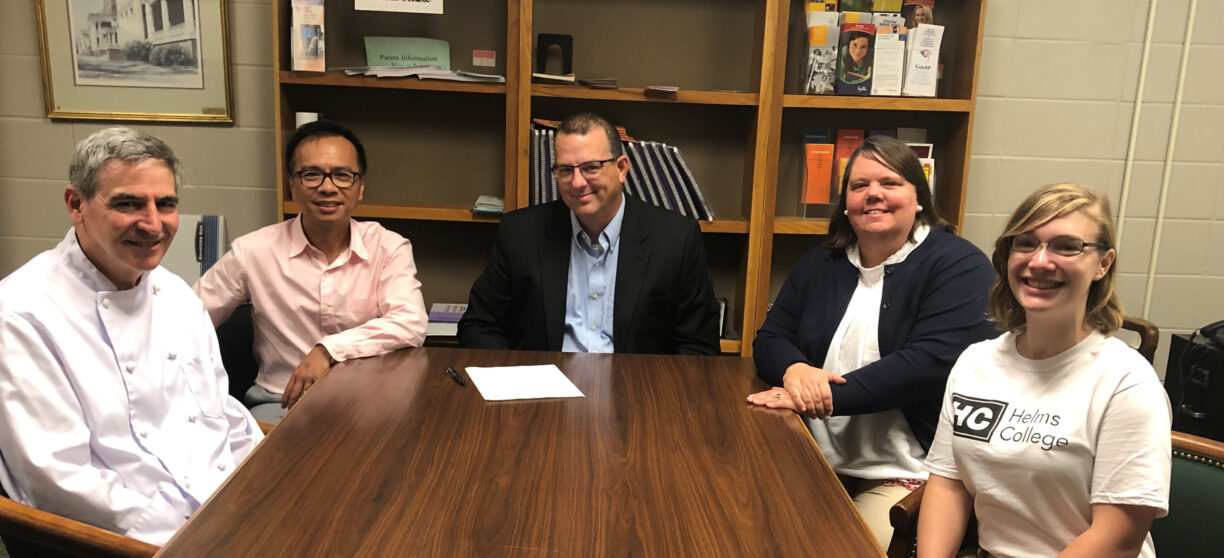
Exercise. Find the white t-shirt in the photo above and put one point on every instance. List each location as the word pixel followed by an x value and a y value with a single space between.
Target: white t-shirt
pixel 877 446
pixel 1038 442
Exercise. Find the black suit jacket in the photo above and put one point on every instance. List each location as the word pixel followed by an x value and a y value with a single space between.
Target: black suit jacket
pixel 664 297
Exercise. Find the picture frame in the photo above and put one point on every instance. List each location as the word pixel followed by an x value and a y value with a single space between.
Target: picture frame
pixel 137 60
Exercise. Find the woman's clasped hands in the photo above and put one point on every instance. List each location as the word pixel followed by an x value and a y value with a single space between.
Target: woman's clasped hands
pixel 805 390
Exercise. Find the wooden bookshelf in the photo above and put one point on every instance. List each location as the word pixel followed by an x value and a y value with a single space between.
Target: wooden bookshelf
pixel 797 225
pixel 876 103
pixel 435 145
pixel 339 79
pixel 639 95
pixel 421 212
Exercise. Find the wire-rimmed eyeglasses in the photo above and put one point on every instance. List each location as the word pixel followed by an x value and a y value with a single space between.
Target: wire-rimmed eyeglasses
pixel 1065 246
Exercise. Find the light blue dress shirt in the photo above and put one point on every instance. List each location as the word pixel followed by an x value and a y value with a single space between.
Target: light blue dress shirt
pixel 591 289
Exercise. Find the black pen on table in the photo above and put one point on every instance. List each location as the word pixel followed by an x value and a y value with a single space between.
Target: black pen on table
pixel 455 376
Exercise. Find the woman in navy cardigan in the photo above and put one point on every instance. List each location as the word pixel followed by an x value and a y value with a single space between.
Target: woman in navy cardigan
pixel 862 335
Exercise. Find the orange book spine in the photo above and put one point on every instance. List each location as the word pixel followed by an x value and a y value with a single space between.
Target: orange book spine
pixel 818 172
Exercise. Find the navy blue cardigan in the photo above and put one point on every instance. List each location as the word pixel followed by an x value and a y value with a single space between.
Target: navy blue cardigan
pixel 934 305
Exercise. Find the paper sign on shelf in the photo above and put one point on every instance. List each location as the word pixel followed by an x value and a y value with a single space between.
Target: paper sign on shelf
pixel 407 52
pixel 410 6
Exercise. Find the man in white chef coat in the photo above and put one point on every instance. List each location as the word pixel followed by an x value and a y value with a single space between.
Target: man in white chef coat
pixel 115 406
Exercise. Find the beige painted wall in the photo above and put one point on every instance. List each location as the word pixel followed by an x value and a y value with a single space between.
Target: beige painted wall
pixel 229 169
pixel 1056 95
pixel 1055 99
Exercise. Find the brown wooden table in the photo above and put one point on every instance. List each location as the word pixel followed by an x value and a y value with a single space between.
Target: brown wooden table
pixel 390 457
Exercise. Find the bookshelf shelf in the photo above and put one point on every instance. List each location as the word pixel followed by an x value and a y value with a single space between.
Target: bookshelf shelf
pixel 434 145
pixel 418 212
pixel 463 214
pixel 639 95
pixel 339 79
pixel 797 225
pixel 733 226
pixel 877 103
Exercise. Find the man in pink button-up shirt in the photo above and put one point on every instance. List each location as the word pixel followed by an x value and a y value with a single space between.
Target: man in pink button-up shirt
pixel 324 288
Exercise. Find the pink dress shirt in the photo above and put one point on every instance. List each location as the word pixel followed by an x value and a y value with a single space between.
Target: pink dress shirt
pixel 365 303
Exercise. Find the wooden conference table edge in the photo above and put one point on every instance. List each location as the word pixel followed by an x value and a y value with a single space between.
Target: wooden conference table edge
pixel 793 421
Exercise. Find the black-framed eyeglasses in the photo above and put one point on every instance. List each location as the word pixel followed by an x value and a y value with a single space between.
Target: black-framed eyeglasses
pixel 590 169
pixel 1066 246
pixel 313 178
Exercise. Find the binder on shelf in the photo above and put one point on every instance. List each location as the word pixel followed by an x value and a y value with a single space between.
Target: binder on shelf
pixel 190 258
pixel 722 317
pixel 667 169
pixel 639 172
pixel 691 183
pixel 652 169
pixel 658 174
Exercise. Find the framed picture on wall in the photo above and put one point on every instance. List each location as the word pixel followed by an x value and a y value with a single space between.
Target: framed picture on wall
pixel 158 60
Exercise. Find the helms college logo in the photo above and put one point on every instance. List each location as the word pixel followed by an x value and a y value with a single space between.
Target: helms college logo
pixel 975 418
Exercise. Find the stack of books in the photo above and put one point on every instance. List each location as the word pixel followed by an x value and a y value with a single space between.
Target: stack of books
pixel 423 72
pixel 600 83
pixel 444 319
pixel 491 205
pixel 658 174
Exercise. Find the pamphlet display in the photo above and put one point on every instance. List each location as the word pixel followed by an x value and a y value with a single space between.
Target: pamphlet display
pixel 306 34
pixel 855 55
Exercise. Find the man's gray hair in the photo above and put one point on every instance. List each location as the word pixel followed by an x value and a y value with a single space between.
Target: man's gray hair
pixel 117 142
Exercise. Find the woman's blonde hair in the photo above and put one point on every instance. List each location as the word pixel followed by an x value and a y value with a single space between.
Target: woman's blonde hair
pixel 1104 310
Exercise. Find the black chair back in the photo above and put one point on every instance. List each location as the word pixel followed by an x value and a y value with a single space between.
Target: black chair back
pixel 236 337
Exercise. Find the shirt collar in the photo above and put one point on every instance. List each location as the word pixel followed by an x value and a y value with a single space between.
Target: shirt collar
pixel 920 234
pixel 610 234
pixel 297 237
pixel 298 241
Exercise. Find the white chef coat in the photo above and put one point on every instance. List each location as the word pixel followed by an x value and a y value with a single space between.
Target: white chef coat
pixel 115 406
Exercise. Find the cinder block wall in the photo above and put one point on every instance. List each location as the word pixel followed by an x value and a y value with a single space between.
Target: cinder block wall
pixel 1055 101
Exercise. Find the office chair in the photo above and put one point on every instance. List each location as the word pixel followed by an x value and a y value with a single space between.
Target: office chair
pixel 236 337
pixel 1196 500
pixel 1149 335
pixel 904 514
pixel 31 533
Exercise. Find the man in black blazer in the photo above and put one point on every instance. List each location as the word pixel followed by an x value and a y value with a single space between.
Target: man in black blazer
pixel 557 267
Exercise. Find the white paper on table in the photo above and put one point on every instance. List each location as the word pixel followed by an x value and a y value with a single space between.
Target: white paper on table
pixel 502 383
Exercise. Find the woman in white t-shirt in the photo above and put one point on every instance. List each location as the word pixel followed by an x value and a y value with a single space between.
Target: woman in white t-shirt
pixel 1054 434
